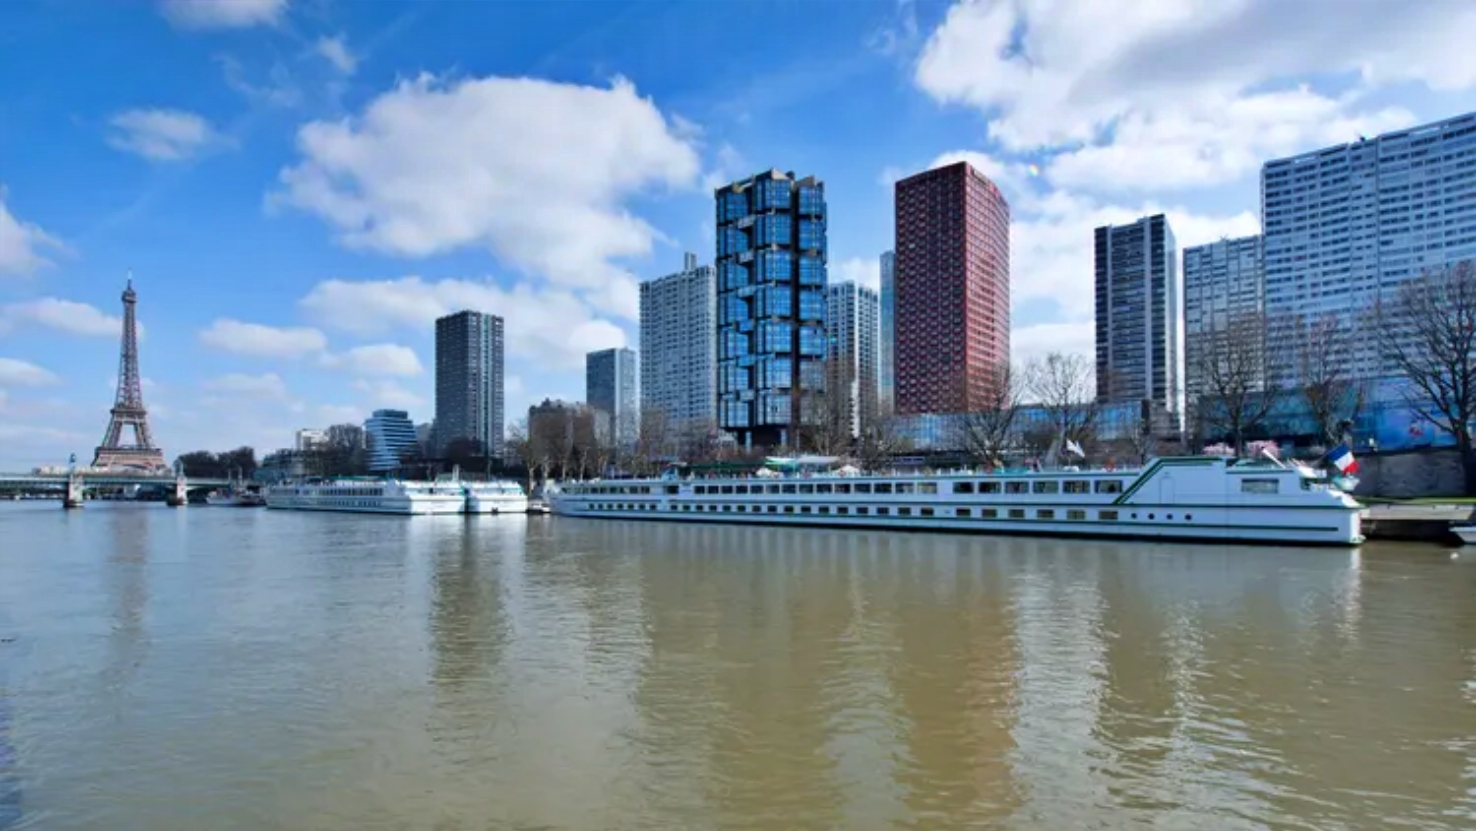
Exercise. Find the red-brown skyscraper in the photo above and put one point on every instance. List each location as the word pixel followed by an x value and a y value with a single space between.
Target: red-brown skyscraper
pixel 953 290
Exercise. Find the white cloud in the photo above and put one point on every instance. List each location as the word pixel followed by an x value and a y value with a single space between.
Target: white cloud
pixel 335 51
pixel 15 372
pixel 222 14
pixel 864 271
pixel 268 385
pixel 1185 93
pixel 550 327
pixel 388 394
pixel 20 243
pixel 260 341
pixel 1036 340
pixel 162 135
pixel 537 172
pixel 377 359
pixel 62 315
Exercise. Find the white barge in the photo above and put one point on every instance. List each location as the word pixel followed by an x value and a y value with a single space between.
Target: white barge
pixel 369 496
pixel 498 496
pixel 1181 498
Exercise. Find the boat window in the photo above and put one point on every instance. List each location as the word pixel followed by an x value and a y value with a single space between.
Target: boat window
pixel 824 509
pixel 883 487
pixel 788 509
pixel 740 489
pixel 804 509
pixel 925 511
pixel 1107 516
pixel 1258 486
pixel 700 489
pixel 963 487
pixel 1045 513
pixel 842 488
pixel 1049 486
pixel 822 489
pixel 1017 487
pixel 863 510
pixel 1076 513
pixel 988 487
pixel 806 488
pixel 788 488
pixel 727 489
pixel 883 511
pixel 1017 513
pixel 927 487
pixel 904 511
pixel 903 487
pixel 671 490
pixel 773 509
pixel 727 509
pixel 863 487
pixel 1076 486
pixel 1109 486
pixel 842 510
pixel 988 513
pixel 963 512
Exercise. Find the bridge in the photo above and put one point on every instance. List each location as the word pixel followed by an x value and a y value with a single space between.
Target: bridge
pixel 75 484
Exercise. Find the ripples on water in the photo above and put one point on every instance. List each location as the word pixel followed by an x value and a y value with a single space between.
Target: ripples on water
pixel 217 669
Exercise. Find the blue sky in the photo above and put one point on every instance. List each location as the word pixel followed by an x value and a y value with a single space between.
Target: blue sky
pixel 301 186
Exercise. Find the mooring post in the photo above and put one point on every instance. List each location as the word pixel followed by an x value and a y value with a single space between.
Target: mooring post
pixel 180 497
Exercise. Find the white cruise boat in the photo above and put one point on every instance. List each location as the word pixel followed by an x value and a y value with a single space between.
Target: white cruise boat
pixel 1182 498
pixel 368 496
pixel 498 496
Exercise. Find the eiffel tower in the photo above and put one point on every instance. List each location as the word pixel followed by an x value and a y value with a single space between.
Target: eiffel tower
pixel 128 408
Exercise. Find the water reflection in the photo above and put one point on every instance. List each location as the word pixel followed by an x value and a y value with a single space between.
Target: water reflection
pixel 238 670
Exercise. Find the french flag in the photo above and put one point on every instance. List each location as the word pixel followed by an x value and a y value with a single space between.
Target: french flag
pixel 1342 459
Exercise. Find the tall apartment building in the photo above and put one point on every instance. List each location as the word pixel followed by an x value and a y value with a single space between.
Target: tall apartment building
pixel 390 434
pixel 886 369
pixel 309 439
pixel 469 380
pixel 1346 225
pixel 771 305
pixel 853 322
pixel 610 387
pixel 1139 313
pixel 952 321
pixel 678 362
pixel 1223 282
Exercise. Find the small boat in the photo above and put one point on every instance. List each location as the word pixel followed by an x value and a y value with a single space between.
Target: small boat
pixel 498 496
pixel 1465 530
pixel 538 507
pixel 368 496
pixel 236 496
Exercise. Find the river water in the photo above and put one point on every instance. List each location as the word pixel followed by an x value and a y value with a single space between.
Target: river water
pixel 223 669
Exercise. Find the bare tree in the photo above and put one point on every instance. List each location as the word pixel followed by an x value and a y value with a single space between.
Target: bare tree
pixel 880 440
pixel 987 428
pixel 1063 386
pixel 1429 337
pixel 1232 375
pixel 655 442
pixel 1326 384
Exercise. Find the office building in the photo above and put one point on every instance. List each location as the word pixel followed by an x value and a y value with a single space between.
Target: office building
pixel 1139 313
pixel 308 440
pixel 610 386
pixel 1346 225
pixel 1224 284
pixel 771 305
pixel 390 434
pixel 469 381
pixel 852 315
pixel 886 367
pixel 952 319
pixel 678 362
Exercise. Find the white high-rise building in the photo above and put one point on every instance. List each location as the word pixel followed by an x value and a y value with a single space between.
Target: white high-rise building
pixel 886 370
pixel 852 318
pixel 1346 225
pixel 1140 313
pixel 678 361
pixel 1223 282
pixel 309 439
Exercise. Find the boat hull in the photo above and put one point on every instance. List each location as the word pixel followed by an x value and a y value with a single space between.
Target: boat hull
pixel 496 505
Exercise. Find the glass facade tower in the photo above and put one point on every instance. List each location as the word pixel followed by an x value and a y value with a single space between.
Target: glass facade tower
pixel 886 371
pixel 469 380
pixel 771 254
pixel 1139 313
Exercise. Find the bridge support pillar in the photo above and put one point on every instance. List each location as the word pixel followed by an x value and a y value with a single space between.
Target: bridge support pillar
pixel 74 495
pixel 180 497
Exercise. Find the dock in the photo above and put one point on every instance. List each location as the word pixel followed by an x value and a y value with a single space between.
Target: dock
pixel 1418 523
